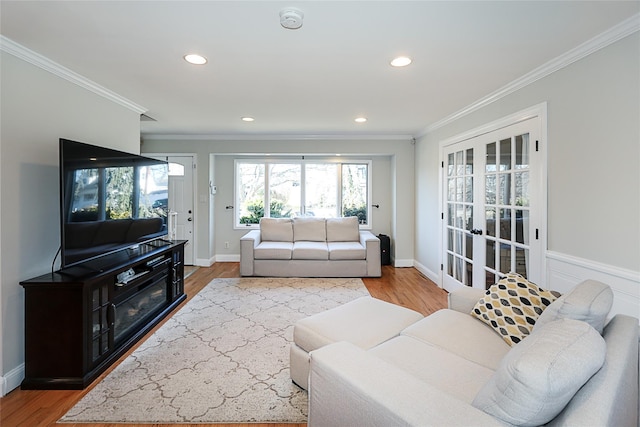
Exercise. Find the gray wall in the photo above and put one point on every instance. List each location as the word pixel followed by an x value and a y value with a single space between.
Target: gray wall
pixel 393 185
pixel 36 109
pixel 593 158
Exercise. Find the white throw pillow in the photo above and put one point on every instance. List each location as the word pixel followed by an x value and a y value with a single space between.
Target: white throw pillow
pixel 276 230
pixel 540 375
pixel 590 301
pixel 345 229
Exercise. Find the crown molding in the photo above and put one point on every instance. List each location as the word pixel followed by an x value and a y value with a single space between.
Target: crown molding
pixel 274 137
pixel 34 58
pixel 612 35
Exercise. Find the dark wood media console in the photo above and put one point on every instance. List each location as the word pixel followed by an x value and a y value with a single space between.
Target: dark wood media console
pixel 81 320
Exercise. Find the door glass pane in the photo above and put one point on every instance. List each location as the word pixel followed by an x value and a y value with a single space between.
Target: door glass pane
pixel 469 216
pixel 490 189
pixel 469 271
pixel 460 189
pixel 459 163
pixel 458 242
pixel 522 225
pixel 468 194
pixel 450 164
pixel 505 224
pixel 490 280
pixel 469 248
pixel 469 168
pixel 522 151
pixel 505 154
pixel 450 239
pixel 504 189
pixel 284 190
pixel 522 257
pixel 505 258
pixel 522 188
pixel 451 214
pixel 450 265
pixel 490 220
pixel 491 157
pixel 451 189
pixel 490 253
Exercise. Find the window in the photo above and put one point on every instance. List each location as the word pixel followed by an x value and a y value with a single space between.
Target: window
pixel 301 188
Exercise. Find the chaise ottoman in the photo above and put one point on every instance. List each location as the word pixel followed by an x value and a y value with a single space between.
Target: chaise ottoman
pixel 365 322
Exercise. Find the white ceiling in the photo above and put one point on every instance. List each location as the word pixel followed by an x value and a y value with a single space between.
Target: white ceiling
pixel 310 81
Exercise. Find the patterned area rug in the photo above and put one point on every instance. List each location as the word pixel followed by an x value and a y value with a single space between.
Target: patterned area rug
pixel 224 357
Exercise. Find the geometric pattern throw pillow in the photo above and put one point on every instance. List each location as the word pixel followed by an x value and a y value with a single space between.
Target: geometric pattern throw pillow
pixel 512 306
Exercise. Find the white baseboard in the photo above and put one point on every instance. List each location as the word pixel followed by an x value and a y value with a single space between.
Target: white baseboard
pixel 403 262
pixel 431 275
pixel 202 262
pixel 565 271
pixel 228 258
pixel 11 380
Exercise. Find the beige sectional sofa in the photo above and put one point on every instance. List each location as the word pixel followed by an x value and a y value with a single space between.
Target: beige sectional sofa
pixel 310 247
pixel 452 369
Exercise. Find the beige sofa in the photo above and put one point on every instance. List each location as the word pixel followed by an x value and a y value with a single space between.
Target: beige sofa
pixel 451 369
pixel 310 247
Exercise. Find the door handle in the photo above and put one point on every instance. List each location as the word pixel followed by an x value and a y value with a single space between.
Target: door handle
pixel 476 231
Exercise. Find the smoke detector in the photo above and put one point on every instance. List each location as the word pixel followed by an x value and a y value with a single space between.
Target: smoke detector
pixel 291 18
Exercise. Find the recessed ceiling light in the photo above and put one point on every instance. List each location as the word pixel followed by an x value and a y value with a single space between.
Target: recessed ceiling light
pixel 195 59
pixel 360 119
pixel 247 119
pixel 401 61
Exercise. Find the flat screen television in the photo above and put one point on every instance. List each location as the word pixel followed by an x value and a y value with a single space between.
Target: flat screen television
pixel 110 200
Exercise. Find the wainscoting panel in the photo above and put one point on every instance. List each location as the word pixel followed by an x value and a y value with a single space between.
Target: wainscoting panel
pixel 564 272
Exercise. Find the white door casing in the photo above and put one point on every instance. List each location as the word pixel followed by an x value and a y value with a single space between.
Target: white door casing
pixel 493 198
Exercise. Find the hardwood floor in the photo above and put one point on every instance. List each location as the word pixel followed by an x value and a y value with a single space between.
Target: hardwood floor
pixel 402 286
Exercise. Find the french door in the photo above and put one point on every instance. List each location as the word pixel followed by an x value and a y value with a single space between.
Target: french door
pixel 493 203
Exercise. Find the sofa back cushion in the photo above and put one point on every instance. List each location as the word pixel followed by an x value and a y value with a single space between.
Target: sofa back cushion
pixel 309 229
pixel 539 376
pixel 345 229
pixel 276 230
pixel 590 301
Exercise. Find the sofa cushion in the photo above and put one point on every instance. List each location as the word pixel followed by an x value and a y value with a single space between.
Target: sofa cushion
pixel 462 335
pixel 455 375
pixel 589 301
pixel 346 250
pixel 310 250
pixel 276 230
pixel 310 229
pixel 273 250
pixel 345 229
pixel 541 374
pixel 512 306
pixel 365 322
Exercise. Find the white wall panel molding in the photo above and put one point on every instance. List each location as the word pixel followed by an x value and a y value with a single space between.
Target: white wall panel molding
pixel 618 32
pixel 565 271
pixel 46 64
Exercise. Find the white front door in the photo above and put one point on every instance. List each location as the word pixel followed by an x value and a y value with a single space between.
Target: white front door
pixel 181 201
pixel 493 206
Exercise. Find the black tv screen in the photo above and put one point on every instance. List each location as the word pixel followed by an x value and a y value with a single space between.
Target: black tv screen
pixel 110 200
